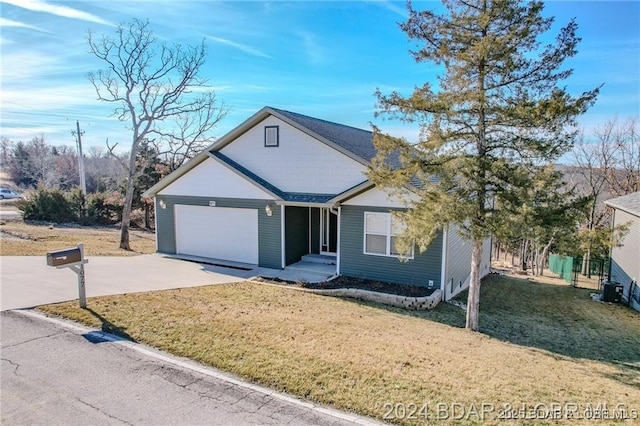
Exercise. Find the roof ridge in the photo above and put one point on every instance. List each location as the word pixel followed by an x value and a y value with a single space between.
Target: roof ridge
pixel 320 119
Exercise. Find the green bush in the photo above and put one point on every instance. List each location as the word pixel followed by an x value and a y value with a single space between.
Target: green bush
pixel 48 205
pixel 77 204
pixel 105 208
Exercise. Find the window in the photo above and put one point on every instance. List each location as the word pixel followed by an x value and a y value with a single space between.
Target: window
pixel 380 234
pixel 271 136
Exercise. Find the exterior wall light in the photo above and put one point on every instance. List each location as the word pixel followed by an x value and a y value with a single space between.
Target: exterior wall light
pixel 163 205
pixel 268 210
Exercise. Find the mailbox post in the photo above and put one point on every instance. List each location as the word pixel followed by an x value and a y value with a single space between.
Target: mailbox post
pixel 71 258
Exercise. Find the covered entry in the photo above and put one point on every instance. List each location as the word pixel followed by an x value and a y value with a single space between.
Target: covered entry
pixel 310 230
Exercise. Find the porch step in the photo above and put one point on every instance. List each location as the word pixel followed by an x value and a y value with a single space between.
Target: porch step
pixel 320 258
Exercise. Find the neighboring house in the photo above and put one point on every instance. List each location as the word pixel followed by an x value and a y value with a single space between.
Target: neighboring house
pixel 625 259
pixel 283 185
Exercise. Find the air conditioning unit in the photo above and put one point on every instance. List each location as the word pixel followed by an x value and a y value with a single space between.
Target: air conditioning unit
pixel 612 292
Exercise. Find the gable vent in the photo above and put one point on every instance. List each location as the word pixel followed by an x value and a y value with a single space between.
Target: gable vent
pixel 271 136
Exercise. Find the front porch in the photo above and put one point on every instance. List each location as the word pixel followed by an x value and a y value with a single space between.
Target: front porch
pixel 309 230
pixel 312 268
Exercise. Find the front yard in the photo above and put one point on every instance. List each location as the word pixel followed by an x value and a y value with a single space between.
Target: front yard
pixel 31 239
pixel 542 346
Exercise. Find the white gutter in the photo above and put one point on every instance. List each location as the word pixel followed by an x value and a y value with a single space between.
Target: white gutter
pixel 302 204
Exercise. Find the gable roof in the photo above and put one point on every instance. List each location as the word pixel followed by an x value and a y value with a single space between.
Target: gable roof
pixel 630 203
pixel 292 197
pixel 357 141
pixel 353 142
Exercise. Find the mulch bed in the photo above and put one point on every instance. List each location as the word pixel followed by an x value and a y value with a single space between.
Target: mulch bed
pixel 362 284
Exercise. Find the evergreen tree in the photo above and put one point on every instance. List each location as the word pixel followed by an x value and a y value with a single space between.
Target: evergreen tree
pixel 497 113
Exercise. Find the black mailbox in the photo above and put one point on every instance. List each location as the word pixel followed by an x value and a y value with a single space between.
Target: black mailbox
pixel 64 257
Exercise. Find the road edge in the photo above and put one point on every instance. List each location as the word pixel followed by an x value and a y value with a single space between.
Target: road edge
pixel 196 367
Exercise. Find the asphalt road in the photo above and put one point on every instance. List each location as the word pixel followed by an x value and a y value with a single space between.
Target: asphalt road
pixel 54 373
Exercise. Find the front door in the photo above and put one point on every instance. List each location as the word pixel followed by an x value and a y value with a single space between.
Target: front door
pixel 328 231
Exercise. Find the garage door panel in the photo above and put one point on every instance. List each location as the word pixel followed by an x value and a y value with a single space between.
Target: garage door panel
pixel 217 232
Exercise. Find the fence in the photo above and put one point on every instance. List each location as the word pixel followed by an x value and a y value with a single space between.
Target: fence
pixel 569 268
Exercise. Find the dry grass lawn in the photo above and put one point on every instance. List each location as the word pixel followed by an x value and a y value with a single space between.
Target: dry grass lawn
pixel 540 344
pixel 18 238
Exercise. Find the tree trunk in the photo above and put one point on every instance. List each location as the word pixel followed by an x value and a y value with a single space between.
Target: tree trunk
pixel 586 263
pixel 545 254
pixel 473 300
pixel 128 198
pixel 147 215
pixel 525 255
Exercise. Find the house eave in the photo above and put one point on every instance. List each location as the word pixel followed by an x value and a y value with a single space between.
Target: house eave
pixel 247 178
pixel 176 174
pixel 304 204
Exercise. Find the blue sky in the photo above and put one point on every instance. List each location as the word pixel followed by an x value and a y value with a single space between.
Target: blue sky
pixel 323 59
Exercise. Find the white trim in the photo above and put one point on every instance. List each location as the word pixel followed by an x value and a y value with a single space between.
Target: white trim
pixel 155 221
pixel 242 176
pixel 325 230
pixel 443 273
pixel 310 233
pixel 338 243
pixel 283 259
pixel 302 204
pixel 387 235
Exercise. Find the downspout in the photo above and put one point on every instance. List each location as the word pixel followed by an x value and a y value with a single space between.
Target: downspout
pixel 613 227
pixel 443 272
pixel 283 260
pixel 155 219
pixel 338 242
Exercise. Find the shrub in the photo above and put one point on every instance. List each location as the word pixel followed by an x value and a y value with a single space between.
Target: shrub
pixel 77 204
pixel 105 208
pixel 47 205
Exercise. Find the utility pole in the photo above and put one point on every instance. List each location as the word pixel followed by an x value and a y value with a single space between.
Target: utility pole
pixel 83 183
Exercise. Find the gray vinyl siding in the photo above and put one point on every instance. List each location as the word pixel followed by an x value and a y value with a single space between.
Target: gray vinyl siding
pixel 296 233
pixel 353 262
pixel 458 264
pixel 625 260
pixel 458 261
pixel 269 235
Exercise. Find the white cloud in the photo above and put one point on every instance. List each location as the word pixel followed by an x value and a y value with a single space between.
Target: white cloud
pixel 243 47
pixel 9 23
pixel 314 51
pixel 393 7
pixel 62 11
pixel 27 65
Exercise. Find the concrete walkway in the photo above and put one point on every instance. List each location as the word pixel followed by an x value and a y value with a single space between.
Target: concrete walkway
pixel 27 281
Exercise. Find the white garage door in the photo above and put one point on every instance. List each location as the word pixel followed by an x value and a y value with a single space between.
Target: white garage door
pixel 217 232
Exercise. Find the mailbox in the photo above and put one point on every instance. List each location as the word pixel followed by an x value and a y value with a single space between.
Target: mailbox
pixel 64 257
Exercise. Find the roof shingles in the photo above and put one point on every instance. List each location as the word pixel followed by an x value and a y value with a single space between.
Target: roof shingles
pixel 629 203
pixel 357 141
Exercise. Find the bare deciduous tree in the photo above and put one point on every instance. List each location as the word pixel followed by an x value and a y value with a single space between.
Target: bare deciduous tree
pixel 608 165
pixel 154 85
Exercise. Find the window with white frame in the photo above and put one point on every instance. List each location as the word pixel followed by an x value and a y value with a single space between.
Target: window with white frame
pixel 381 231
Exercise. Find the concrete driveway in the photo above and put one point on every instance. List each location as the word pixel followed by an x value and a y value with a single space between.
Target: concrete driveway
pixel 27 281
